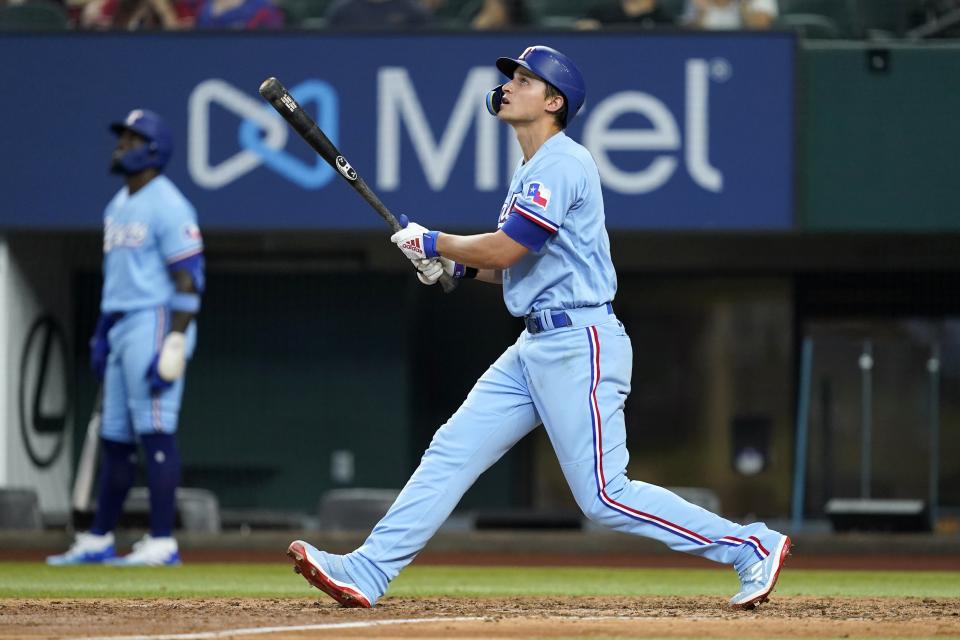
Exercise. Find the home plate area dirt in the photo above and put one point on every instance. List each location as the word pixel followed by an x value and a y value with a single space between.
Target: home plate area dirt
pixel 791 617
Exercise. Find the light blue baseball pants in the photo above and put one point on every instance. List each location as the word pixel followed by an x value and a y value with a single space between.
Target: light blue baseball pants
pixel 129 408
pixel 575 381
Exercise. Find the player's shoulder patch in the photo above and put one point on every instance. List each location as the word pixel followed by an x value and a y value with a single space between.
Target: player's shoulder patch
pixel 191 231
pixel 539 194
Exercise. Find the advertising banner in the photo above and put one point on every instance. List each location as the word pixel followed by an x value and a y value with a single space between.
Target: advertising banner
pixel 689 131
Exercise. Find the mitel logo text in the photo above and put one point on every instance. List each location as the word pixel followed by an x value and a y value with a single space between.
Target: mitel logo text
pixel 665 145
pixel 400 109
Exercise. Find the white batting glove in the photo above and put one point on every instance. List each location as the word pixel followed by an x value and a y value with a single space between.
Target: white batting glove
pixel 429 270
pixel 415 241
pixel 173 356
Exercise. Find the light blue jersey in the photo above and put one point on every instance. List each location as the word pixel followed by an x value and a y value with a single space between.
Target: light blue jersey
pixel 555 208
pixel 144 234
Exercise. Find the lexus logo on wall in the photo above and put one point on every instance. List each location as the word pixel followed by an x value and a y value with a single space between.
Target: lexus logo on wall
pixel 44 394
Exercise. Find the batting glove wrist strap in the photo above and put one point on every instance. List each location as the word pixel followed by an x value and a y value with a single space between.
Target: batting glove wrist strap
pixel 457 270
pixel 430 244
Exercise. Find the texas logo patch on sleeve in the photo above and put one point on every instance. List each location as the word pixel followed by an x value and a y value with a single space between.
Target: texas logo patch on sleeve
pixel 191 231
pixel 539 194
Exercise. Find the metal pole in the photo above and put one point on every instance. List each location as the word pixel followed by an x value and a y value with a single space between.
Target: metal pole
pixel 826 436
pixel 866 413
pixel 800 454
pixel 933 367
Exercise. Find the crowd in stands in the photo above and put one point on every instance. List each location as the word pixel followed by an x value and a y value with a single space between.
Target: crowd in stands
pixel 811 18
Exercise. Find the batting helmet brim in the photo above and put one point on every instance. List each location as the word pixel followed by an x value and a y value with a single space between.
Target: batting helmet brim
pixel 508 65
pixel 118 127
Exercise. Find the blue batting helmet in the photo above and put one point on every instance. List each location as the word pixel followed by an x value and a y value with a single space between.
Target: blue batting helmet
pixel 159 147
pixel 551 66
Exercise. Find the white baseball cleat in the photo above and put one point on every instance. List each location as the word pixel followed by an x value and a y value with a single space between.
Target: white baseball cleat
pixel 150 552
pixel 87 548
pixel 758 580
pixel 325 571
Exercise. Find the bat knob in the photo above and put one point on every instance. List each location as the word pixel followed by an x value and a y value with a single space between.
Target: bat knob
pixel 271 89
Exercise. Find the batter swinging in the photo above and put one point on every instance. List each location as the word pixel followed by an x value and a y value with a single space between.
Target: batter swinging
pixel 569 370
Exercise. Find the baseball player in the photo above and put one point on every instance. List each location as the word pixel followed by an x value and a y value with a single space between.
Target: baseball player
pixel 153 276
pixel 569 370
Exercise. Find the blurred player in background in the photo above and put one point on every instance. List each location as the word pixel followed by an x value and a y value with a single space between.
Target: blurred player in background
pixel 569 370
pixel 153 276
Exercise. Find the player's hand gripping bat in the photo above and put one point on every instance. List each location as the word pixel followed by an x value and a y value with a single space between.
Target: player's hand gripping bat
pixel 275 93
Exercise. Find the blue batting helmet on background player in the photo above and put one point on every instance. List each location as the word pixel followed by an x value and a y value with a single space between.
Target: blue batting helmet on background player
pixel 551 66
pixel 159 142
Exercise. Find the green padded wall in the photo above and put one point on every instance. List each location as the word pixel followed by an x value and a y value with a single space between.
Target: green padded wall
pixel 292 366
pixel 877 147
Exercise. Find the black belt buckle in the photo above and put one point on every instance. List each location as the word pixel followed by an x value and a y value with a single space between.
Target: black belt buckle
pixel 533 324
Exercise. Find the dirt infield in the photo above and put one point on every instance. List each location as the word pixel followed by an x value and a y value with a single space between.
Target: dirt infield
pixel 549 617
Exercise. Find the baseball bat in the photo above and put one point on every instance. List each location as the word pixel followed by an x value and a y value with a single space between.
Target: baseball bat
pixel 87 464
pixel 276 94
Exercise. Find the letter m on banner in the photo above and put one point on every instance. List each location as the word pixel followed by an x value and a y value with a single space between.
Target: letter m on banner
pixel 397 101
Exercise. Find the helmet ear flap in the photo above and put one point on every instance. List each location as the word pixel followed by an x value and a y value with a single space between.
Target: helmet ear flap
pixel 494 98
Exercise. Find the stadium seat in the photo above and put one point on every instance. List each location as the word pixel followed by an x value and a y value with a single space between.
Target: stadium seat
pixel 197 509
pixel 886 19
pixel 305 14
pixel 840 15
pixel 470 8
pixel 357 509
pixel 564 14
pixel 675 8
pixel 19 509
pixel 550 9
pixel 37 15
pixel 450 14
pixel 809 25
pixel 467 10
